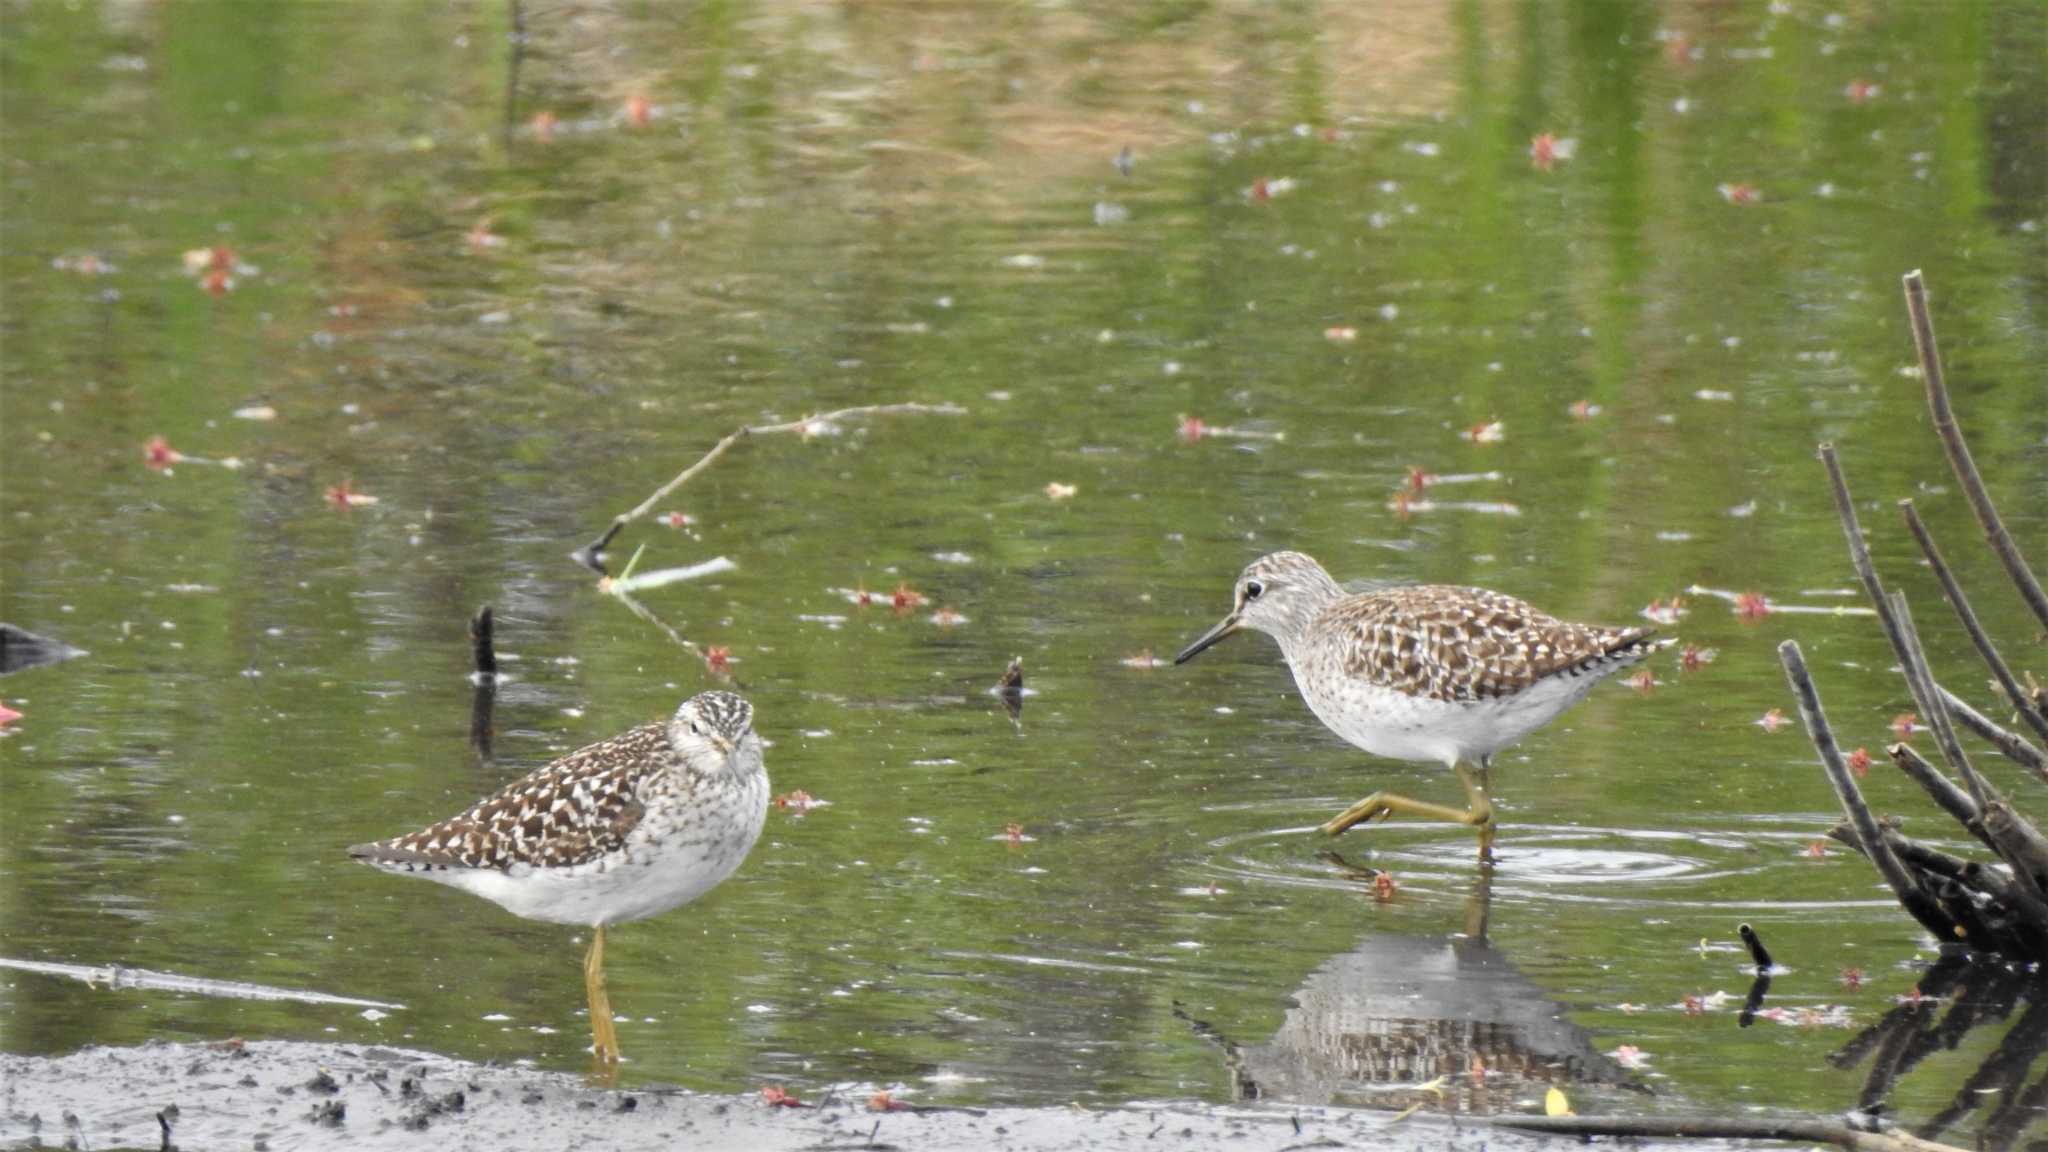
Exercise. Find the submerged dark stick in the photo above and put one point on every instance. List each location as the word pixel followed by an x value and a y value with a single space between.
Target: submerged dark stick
pixel 483 700
pixel 1917 903
pixel 1801 1130
pixel 480 646
pixel 1959 452
pixel 1757 951
pixel 1985 648
pixel 1754 1002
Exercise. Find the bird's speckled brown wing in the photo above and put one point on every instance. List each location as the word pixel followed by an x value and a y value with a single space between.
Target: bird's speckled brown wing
pixel 570 812
pixel 1442 642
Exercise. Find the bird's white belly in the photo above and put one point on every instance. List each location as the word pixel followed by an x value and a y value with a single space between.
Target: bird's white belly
pixel 1402 727
pixel 666 868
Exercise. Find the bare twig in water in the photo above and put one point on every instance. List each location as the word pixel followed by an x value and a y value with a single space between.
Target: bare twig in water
pixel 2023 703
pixel 591 555
pixel 1958 900
pixel 1909 894
pixel 1959 452
pixel 641 610
pixel 2014 746
pixel 1940 788
pixel 1913 659
pixel 1799 1130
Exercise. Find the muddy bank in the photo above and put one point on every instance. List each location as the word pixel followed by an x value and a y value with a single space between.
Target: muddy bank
pixel 281 1096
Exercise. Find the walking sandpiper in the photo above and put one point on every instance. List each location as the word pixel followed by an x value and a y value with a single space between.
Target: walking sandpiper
pixel 623 829
pixel 1427 672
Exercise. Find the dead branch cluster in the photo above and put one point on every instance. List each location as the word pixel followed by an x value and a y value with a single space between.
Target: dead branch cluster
pixel 1999 906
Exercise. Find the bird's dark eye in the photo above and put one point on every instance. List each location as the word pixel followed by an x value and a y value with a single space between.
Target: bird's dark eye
pixel 1252 589
pixel 695 730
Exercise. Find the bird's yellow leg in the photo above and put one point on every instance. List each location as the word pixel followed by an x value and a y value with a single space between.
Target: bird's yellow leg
pixel 604 1036
pixel 1481 814
pixel 1380 805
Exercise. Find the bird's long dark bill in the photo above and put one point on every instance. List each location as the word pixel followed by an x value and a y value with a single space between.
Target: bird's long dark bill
pixel 1208 638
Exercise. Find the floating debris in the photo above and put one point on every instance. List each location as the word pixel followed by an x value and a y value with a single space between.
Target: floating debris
pixel 1859 762
pixel 1403 504
pixel 1772 720
pixel 117 978
pixel 1583 410
pixel 259 412
pixel 1340 335
pixel 1192 429
pixel 799 802
pixel 1631 1057
pixel 1692 659
pixel 1143 659
pixel 1739 193
pixel 1546 150
pixel 1905 724
pixel 638 110
pixel 8 715
pixel 158 454
pixel 1059 491
pixel 344 495
pixel 718 660
pixel 1267 189
pixel 628 581
pixel 482 239
pixel 1660 612
pixel 1492 432
pixel 85 264
pixel 1755 606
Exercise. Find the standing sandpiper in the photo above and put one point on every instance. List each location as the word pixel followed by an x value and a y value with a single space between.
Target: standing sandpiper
pixel 1430 672
pixel 623 829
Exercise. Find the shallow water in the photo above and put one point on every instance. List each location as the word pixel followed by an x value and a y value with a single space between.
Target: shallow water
pixel 1332 241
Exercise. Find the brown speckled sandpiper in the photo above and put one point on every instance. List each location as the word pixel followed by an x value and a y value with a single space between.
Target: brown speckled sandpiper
pixel 1427 672
pixel 623 829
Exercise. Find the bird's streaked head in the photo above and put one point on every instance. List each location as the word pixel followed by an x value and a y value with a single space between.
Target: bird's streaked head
pixel 1278 594
pixel 716 725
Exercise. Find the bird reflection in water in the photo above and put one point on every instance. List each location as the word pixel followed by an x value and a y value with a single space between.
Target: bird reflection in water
pixel 1444 1023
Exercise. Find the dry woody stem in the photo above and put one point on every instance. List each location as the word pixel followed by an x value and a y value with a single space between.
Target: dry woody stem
pixel 1963 902
pixel 591 555
pixel 2021 702
pixel 1959 452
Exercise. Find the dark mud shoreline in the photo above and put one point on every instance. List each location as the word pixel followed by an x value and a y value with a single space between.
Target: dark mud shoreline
pixel 282 1095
